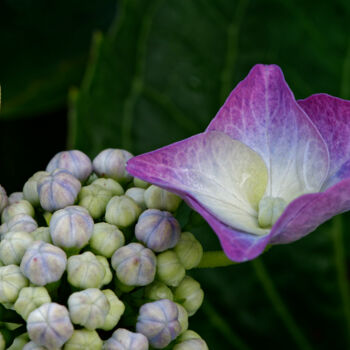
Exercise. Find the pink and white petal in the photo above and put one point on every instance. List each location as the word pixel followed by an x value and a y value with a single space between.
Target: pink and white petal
pixel 331 115
pixel 225 176
pixel 262 113
pixel 307 212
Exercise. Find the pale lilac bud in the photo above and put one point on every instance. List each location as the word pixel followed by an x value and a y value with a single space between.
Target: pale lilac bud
pixel 58 190
pixel 109 185
pixel 189 250
pixel 159 322
pixel 71 227
pixel 22 222
pixel 29 299
pixel 158 198
pixel 13 247
pixel 30 188
pixel 43 263
pixel 169 268
pixel 116 310
pixel 76 162
pixel 140 183
pixel 106 239
pixel 138 195
pixel 32 346
pixel 111 163
pixel 3 199
pixel 88 308
pixel 85 271
pixel 15 197
pixel 42 234
pixel 158 230
pixel 135 265
pixel 83 339
pixel 157 291
pixel 11 282
pixel 122 211
pixel 21 207
pixel 122 339
pixel 50 326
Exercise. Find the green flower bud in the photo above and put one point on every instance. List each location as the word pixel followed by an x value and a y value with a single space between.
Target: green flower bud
pixel 138 195
pixel 189 250
pixel 49 325
pixel 88 308
pixel 84 339
pixel 122 339
pixel 116 310
pixel 13 247
pixel 157 291
pixel 190 340
pixel 158 230
pixel 169 268
pixel 11 282
pixel 2 342
pixel 58 190
pixel 135 265
pixel 19 342
pixel 43 263
pixel 85 271
pixel 122 288
pixel 108 273
pixel 32 346
pixel 21 207
pixel 91 178
pixel 94 198
pixel 111 163
pixel 3 199
pixel 30 188
pixel 189 334
pixel 159 322
pixel 71 227
pixel 42 234
pixel 113 187
pixel 15 197
pixel 29 299
pixel 189 294
pixel 158 198
pixel 22 222
pixel 122 211
pixel 106 239
pixel 182 317
pixel 76 162
pixel 140 183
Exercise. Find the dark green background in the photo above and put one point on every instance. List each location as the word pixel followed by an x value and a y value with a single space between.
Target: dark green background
pixel 141 74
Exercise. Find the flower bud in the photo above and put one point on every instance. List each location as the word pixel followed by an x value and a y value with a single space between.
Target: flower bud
pixel 42 234
pixel 158 230
pixel 111 163
pixel 20 342
pixel 106 239
pixel 182 317
pixel 122 339
pixel 169 269
pixel 113 187
pixel 3 230
pixel 135 265
pixel 84 339
pixel 122 211
pixel 138 195
pixel 88 308
pixel 29 299
pixel 21 207
pixel 13 247
pixel 121 288
pixel 140 183
pixel 116 310
pixel 11 282
pixel 94 198
pixel 76 162
pixel 189 250
pixel 108 273
pixel 49 325
pixel 30 188
pixel 93 176
pixel 158 198
pixel 190 340
pixel 22 222
pixel 43 263
pixel 157 291
pixel 158 321
pixel 32 346
pixel 3 199
pixel 58 190
pixel 189 294
pixel 71 227
pixel 15 197
pixel 85 271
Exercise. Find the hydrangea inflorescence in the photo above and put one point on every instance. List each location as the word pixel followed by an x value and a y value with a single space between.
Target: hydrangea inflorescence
pixel 111 251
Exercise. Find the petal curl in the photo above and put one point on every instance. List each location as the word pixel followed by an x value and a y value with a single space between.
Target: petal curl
pixel 331 115
pixel 262 113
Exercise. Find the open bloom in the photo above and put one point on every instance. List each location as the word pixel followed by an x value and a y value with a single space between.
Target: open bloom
pixel 268 169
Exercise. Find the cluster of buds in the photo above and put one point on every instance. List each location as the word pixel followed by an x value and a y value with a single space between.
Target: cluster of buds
pixel 91 258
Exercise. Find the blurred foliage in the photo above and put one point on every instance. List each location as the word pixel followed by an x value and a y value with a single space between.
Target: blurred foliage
pixel 159 75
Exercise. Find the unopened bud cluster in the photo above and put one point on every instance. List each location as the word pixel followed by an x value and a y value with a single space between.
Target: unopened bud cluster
pixel 91 258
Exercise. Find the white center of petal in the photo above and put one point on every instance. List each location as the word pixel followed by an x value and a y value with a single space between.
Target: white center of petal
pixel 270 209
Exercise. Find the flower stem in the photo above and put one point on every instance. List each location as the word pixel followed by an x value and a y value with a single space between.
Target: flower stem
pixel 279 305
pixel 340 260
pixel 215 259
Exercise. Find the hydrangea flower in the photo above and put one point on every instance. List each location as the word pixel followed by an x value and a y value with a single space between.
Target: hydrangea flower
pixel 267 170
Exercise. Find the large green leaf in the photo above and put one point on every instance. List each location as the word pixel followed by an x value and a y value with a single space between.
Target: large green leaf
pixel 159 76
